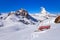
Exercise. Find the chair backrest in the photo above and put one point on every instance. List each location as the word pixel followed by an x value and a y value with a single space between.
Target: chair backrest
pixel 57 20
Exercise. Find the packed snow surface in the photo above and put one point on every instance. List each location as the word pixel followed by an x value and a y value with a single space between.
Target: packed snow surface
pixel 14 30
pixel 20 28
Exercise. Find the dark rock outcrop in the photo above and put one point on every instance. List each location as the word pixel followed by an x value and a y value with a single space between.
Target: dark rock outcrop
pixel 22 12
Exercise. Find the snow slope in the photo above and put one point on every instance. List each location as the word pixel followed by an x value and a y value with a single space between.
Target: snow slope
pixel 15 28
pixel 52 34
pixel 14 32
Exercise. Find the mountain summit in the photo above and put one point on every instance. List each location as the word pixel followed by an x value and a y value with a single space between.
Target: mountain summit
pixel 43 10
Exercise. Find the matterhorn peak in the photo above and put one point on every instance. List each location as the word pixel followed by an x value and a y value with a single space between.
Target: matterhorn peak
pixel 43 10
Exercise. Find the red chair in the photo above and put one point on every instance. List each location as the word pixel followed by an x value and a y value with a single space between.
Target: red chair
pixel 44 27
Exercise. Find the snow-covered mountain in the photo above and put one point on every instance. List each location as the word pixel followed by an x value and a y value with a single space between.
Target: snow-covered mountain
pixel 43 15
pixel 20 25
pixel 17 16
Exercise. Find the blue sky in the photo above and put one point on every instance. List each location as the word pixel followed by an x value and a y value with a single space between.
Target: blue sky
pixel 30 5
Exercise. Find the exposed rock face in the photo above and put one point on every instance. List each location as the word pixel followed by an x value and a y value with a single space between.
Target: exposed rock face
pixel 22 12
pixel 57 20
